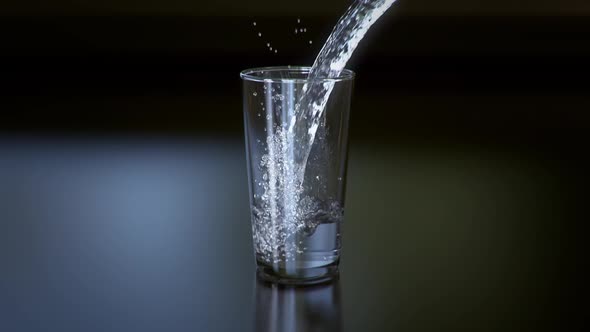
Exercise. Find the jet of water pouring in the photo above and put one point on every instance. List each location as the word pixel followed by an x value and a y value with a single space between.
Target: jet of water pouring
pixel 285 214
pixel 349 31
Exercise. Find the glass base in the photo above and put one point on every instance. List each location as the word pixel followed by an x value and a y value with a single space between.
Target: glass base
pixel 303 277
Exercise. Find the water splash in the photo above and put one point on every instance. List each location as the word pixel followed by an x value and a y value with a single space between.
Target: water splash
pixel 283 213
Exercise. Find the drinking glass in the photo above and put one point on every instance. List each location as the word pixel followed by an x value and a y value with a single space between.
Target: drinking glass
pixel 296 158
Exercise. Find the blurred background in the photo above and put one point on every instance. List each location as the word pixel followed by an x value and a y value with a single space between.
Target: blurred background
pixel 121 158
pixel 488 70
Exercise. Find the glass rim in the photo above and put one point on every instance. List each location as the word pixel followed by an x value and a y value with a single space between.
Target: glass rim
pixel 249 75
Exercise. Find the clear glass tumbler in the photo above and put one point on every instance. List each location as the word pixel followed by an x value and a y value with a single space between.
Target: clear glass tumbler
pixel 297 155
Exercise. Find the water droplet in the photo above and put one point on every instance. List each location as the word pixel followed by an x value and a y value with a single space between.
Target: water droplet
pixel 254 94
pixel 254 23
pixel 260 34
pixel 317 177
pixel 310 42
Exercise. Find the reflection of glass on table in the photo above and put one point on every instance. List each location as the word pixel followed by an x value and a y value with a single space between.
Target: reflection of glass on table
pixel 289 308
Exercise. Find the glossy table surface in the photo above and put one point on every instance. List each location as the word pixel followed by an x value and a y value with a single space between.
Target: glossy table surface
pixel 153 234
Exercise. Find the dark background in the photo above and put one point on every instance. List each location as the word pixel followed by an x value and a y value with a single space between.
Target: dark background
pixel 123 190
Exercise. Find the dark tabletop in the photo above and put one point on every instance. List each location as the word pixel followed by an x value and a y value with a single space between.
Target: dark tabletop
pixel 153 234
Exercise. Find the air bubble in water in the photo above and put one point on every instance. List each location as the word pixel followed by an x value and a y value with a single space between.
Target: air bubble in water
pixel 276 51
pixel 254 94
pixel 310 42
pixel 267 44
pixel 254 23
pixel 296 31
pixel 304 29
pixel 298 20
pixel 301 30
pixel 260 34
